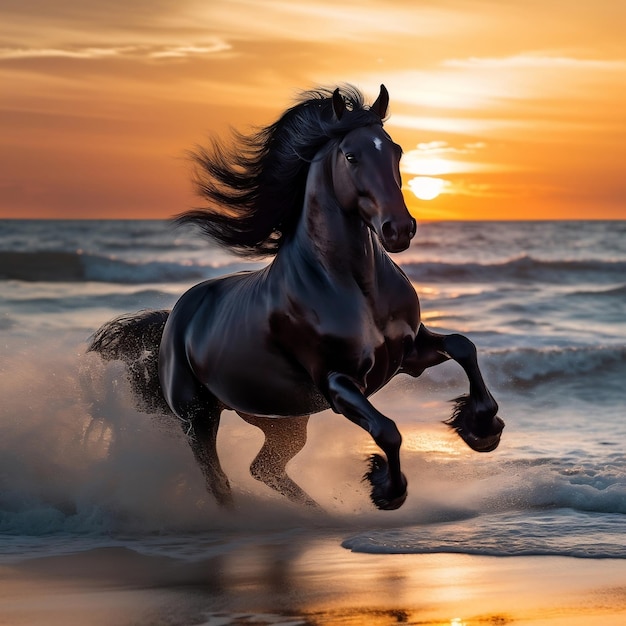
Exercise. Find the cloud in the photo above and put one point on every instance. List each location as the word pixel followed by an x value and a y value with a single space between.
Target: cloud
pixel 58 53
pixel 443 147
pixel 124 51
pixel 536 61
pixel 190 51
pixel 329 20
pixel 435 158
pixel 479 190
pixel 457 125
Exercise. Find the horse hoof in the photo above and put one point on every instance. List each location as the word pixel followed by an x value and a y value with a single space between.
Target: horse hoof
pixel 388 505
pixel 487 443
pixel 381 494
pixel 480 437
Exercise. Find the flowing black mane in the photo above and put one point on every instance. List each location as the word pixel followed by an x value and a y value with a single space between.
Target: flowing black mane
pixel 255 189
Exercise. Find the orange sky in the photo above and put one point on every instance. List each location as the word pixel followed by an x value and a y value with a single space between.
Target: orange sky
pixel 518 106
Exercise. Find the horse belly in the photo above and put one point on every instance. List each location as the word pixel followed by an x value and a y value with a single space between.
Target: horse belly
pixel 247 377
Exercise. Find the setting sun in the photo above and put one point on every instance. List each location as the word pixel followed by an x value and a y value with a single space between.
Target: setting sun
pixel 426 187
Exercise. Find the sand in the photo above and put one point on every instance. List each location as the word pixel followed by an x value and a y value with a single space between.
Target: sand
pixel 312 583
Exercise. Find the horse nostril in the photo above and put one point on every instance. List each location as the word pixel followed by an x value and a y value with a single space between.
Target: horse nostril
pixel 413 229
pixel 389 232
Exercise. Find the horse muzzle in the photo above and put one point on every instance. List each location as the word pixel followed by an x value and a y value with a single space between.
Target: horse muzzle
pixel 396 235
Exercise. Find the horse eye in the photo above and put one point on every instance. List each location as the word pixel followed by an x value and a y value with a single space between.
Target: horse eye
pixel 351 158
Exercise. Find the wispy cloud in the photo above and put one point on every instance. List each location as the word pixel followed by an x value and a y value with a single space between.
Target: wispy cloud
pixel 146 52
pixel 443 147
pixel 436 158
pixel 329 20
pixel 59 53
pixel 536 61
pixel 457 125
pixel 178 52
pixel 493 83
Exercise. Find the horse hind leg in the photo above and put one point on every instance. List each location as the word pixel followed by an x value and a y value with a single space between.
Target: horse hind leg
pixel 199 412
pixel 284 438
pixel 201 431
pixel 135 340
pixel 474 417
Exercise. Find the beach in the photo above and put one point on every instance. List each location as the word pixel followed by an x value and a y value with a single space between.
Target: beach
pixel 317 583
pixel 104 517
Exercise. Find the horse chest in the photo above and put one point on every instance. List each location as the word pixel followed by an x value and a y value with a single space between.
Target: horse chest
pixel 347 335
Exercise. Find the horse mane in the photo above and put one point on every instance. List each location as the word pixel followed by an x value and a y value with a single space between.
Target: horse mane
pixel 254 189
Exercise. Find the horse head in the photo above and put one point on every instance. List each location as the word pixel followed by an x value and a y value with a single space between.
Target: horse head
pixel 366 178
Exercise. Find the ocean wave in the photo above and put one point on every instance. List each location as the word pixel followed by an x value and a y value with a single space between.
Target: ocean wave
pixel 611 292
pixel 116 300
pixel 523 268
pixel 546 507
pixel 78 267
pixel 533 366
pixel 544 533
pixel 588 368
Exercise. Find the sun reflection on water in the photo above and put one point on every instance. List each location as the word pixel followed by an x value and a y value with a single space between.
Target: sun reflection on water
pixel 431 441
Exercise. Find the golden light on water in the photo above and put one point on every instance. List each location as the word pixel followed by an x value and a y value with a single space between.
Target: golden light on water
pixel 441 442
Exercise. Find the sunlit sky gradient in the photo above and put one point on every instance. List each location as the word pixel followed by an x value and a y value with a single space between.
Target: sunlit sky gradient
pixel 517 106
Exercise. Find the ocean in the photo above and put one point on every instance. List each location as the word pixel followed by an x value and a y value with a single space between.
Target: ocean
pixel 545 302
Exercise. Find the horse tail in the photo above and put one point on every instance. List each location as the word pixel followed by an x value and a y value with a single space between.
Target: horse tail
pixel 134 338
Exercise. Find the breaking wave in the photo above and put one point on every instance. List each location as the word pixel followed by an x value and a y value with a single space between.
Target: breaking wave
pixel 523 269
pixel 77 266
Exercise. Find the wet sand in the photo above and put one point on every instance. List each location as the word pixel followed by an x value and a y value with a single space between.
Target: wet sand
pixel 310 583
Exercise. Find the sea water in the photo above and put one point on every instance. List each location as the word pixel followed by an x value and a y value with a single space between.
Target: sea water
pixel 545 303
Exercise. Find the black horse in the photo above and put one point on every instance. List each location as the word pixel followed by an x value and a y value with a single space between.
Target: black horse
pixel 326 324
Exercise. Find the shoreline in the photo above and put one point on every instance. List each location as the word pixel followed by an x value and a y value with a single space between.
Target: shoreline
pixel 312 582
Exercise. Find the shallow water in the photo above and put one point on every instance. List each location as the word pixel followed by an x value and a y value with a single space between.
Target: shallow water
pixel 81 468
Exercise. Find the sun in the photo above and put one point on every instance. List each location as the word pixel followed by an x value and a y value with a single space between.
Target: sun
pixel 426 187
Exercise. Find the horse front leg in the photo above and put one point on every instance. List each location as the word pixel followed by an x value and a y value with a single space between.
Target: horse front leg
pixel 385 477
pixel 475 415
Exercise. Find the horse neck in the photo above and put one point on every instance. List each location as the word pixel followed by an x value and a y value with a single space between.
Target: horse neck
pixel 335 241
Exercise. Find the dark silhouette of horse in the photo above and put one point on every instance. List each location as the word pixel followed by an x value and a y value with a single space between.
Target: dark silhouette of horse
pixel 325 325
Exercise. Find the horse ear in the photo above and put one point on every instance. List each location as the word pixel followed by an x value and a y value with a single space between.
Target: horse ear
pixel 381 103
pixel 339 104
